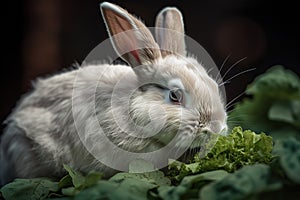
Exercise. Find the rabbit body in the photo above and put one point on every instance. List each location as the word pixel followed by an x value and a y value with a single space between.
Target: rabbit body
pixel 42 135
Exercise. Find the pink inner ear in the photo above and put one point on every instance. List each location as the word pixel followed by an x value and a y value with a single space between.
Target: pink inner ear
pixel 136 55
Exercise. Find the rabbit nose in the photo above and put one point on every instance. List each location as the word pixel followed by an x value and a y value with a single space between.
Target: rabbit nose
pixel 205 130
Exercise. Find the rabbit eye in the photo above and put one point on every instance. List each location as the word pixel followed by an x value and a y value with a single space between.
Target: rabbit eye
pixel 176 96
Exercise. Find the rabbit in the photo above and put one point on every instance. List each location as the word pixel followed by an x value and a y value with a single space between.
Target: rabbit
pixel 41 134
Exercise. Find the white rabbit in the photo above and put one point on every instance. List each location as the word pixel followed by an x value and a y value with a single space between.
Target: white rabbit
pixel 41 134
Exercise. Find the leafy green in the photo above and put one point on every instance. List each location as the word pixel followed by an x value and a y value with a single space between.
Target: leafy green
pixel 43 188
pixel 127 185
pixel 154 177
pixel 246 182
pixel 128 189
pixel 190 185
pixel 279 180
pixel 37 188
pixel 78 180
pixel 78 186
pixel 230 153
pixel 74 182
pixel 254 181
pixel 289 158
pixel 274 107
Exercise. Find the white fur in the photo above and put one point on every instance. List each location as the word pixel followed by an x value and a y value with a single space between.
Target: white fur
pixel 41 134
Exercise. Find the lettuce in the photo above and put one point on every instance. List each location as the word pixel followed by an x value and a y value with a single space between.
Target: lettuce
pixel 43 188
pixel 288 152
pixel 264 173
pixel 90 186
pixel 229 153
pixel 278 180
pixel 34 189
pixel 246 182
pixel 189 186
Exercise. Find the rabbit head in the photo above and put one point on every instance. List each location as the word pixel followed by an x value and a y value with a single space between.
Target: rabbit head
pixel 175 92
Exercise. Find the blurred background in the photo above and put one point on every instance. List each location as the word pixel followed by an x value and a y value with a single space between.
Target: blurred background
pixel 44 36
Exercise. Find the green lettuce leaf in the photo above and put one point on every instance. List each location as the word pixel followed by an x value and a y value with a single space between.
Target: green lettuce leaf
pixel 288 152
pixel 189 186
pixel 74 182
pixel 243 184
pixel 229 153
pixel 127 189
pixel 37 188
pixel 130 185
pixel 43 188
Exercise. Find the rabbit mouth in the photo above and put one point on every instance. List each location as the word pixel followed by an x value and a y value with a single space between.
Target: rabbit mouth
pixel 202 144
pixel 190 153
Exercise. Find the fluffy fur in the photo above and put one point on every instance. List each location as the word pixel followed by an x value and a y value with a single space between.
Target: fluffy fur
pixel 41 134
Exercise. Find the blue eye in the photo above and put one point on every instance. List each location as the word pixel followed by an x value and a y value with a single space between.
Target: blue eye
pixel 176 96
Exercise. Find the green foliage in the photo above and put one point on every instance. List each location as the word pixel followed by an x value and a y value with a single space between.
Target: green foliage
pixel 43 188
pixel 38 188
pixel 274 107
pixel 189 186
pixel 246 182
pixel 249 180
pixel 229 153
pixel 288 152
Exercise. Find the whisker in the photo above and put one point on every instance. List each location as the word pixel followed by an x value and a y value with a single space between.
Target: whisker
pixel 240 118
pixel 237 116
pixel 223 64
pixel 209 70
pixel 238 74
pixel 177 151
pixel 186 155
pixel 234 119
pixel 228 104
pixel 235 64
pixel 232 105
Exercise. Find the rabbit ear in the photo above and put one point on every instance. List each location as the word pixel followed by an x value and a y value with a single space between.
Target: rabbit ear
pixel 130 37
pixel 169 31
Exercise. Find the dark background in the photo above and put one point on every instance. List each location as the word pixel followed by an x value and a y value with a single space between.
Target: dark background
pixel 43 36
